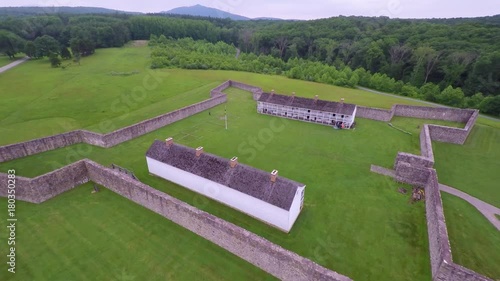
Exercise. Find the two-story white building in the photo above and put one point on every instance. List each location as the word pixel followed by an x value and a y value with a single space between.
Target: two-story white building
pixel 338 114
pixel 262 195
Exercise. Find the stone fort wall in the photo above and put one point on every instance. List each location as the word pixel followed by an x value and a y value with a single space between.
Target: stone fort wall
pixel 437 133
pixel 256 91
pixel 435 113
pixel 418 170
pixel 439 245
pixel 260 252
pixel 442 265
pixel 147 126
pixel 23 149
pixel 413 169
pixel 219 89
pixel 47 186
pixel 374 113
pixel 426 144
pixel 453 135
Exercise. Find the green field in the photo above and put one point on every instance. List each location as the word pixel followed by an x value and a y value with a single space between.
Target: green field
pixel 106 237
pixel 471 237
pixel 4 60
pixel 473 167
pixel 354 222
pixel 51 102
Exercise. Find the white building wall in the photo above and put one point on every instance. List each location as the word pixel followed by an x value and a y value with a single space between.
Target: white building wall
pixel 303 114
pixel 252 206
pixel 296 205
pixel 354 114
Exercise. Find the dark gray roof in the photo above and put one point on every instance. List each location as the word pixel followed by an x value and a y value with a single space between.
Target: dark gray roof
pixel 321 105
pixel 246 179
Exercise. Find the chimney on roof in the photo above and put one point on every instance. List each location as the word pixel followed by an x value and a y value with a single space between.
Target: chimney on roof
pixel 342 101
pixel 169 142
pixel 234 162
pixel 199 151
pixel 272 92
pixel 293 95
pixel 274 175
pixel 316 97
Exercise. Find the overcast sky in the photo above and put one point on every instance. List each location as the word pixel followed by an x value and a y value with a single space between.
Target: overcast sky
pixel 297 9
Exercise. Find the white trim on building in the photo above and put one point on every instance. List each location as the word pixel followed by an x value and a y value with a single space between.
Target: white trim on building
pixel 307 114
pixel 272 214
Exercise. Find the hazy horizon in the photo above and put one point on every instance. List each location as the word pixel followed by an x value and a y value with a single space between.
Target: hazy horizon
pixel 295 9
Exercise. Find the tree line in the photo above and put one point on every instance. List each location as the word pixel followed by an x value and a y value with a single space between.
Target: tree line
pixel 191 54
pixel 405 55
pixel 461 53
pixel 61 36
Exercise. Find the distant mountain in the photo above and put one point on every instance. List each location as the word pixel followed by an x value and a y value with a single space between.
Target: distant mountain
pixel 266 18
pixel 202 11
pixel 195 11
pixel 22 11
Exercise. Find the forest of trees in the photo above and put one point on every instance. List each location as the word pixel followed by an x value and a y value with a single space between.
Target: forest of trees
pixel 53 36
pixel 418 58
pixel 190 54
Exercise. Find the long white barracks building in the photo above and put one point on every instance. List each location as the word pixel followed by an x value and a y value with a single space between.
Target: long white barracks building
pixel 266 196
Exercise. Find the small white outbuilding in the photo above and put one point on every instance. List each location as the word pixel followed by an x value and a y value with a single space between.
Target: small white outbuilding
pixel 265 196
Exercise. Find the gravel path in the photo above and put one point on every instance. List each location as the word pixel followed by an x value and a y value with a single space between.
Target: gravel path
pixel 486 209
pixel 13 64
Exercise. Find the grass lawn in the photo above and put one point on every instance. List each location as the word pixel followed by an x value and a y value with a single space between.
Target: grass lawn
pixel 472 237
pixel 103 236
pixel 4 60
pixel 353 222
pixel 351 217
pixel 473 167
pixel 51 102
